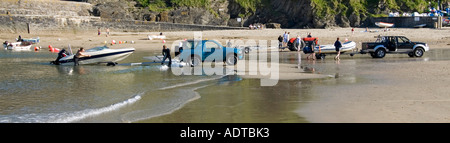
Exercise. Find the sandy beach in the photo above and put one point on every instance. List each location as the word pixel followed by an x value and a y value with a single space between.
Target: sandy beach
pixel 60 39
pixel 410 91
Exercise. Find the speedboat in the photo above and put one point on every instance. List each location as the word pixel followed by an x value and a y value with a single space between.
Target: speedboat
pixel 98 55
pixel 384 24
pixel 151 37
pixel 420 26
pixel 17 46
pixel 32 40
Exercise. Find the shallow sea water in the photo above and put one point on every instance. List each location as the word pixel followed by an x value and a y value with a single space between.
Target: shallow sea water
pixel 32 90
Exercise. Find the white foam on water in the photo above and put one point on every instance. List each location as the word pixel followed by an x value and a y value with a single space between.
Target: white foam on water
pixel 163 110
pixel 190 83
pixel 163 68
pixel 68 117
pixel 93 112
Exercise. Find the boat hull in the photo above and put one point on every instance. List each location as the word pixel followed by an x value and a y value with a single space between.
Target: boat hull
pixel 106 56
pixel 17 46
pixel 384 25
pixel 330 49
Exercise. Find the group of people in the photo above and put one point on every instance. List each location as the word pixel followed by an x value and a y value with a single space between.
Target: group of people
pixel 99 32
pixel 284 40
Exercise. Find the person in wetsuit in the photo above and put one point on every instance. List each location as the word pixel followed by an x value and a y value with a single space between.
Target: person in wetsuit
pixel 19 39
pixel 338 46
pixel 280 42
pixel 166 54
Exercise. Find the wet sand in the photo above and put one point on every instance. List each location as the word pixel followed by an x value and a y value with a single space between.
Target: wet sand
pixel 405 91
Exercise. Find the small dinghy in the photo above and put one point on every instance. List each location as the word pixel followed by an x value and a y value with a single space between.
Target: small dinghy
pixel 330 49
pixel 384 24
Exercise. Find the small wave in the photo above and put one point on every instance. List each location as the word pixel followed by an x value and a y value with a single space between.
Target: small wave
pixel 68 117
pixel 190 83
pixel 93 112
pixel 164 110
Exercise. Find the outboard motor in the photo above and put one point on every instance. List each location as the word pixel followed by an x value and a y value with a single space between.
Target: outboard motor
pixel 61 54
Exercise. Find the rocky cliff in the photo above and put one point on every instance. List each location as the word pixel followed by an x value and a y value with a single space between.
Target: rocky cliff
pixel 288 13
pixel 73 14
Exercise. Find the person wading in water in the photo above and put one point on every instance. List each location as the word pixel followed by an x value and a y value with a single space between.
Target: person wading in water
pixel 79 55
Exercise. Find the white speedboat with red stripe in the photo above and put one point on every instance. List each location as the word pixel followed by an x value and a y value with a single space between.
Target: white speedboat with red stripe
pixel 384 24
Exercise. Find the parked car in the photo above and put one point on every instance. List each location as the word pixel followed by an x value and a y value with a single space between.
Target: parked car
pixel 394 45
pixel 195 52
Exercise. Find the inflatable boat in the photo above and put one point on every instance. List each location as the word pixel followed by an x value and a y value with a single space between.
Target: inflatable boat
pixel 330 49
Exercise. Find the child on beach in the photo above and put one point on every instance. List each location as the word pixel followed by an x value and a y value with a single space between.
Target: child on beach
pixel 107 32
pixel 280 42
pixel 286 38
pixel 98 31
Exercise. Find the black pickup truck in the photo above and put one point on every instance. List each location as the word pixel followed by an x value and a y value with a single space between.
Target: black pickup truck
pixel 395 45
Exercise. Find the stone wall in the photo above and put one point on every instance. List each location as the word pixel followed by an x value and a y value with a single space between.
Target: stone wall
pixel 17 24
pixel 142 26
pixel 44 15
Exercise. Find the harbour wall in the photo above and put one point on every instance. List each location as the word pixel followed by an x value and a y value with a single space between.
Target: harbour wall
pixel 20 23
pixel 19 16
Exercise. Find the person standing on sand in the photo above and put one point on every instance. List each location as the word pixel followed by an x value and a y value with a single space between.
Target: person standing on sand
pixel 338 46
pixel 280 42
pixel 98 32
pixel 166 54
pixel 107 32
pixel 79 55
pixel 299 43
pixel 285 38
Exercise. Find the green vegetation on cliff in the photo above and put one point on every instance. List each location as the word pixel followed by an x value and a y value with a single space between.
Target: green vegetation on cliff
pixel 373 8
pixel 163 5
pixel 294 13
pixel 249 6
pixel 321 8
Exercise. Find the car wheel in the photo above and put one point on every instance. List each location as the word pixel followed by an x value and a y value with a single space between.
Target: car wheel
pixel 194 61
pixel 247 50
pixel 418 52
pixel 380 53
pixel 231 60
pixel 292 47
pixel 320 56
pixel 372 55
pixel 111 64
